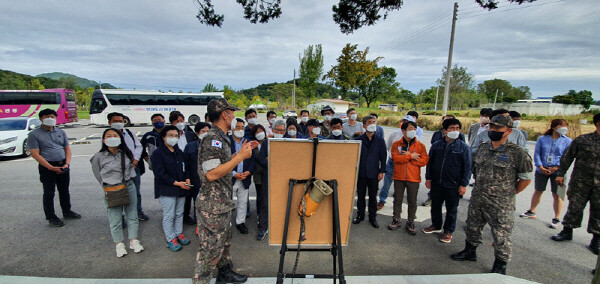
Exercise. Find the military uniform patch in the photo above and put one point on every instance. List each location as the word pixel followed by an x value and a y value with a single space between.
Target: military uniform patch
pixel 217 143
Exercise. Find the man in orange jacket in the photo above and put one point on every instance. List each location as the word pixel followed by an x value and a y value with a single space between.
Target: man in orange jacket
pixel 409 157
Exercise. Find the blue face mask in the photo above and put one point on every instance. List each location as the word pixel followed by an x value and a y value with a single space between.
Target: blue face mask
pixel 159 124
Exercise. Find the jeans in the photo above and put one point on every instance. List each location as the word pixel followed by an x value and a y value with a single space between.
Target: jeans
pixel 387 180
pixel 52 181
pixel 361 188
pixel 451 198
pixel 115 219
pixel 172 216
pixel 242 201
pixel 412 189
pixel 136 181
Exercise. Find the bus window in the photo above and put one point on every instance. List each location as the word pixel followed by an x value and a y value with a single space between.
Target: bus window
pixel 70 97
pixel 168 100
pixel 141 100
pixel 98 105
pixel 116 99
pixel 30 98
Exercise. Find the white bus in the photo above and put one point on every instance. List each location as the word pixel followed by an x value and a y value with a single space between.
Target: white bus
pixel 138 106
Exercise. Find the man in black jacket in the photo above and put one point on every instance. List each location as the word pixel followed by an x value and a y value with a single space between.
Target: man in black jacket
pixel 241 176
pixel 447 175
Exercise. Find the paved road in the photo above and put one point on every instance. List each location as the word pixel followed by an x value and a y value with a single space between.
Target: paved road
pixel 83 248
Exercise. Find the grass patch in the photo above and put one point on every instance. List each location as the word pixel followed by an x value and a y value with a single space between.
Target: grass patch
pixel 83 114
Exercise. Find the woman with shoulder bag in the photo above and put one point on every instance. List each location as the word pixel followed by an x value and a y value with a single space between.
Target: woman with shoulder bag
pixel 171 186
pixel 113 168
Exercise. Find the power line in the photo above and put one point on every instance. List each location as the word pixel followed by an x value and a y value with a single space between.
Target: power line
pixel 473 15
pixel 414 32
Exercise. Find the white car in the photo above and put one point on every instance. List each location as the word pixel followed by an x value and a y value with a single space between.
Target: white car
pixel 13 135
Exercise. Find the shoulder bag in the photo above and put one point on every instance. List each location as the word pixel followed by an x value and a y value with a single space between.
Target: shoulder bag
pixel 117 195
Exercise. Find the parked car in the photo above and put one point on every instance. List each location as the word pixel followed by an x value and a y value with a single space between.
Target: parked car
pixel 290 113
pixel 341 116
pixel 13 135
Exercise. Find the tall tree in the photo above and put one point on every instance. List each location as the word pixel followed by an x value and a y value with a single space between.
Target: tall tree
pixel 506 92
pixel 353 70
pixel 209 88
pixel 382 85
pixel 583 97
pixel 311 69
pixel 350 15
pixel 460 80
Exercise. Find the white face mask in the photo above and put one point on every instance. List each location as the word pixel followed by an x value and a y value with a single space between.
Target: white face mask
pixel 292 132
pixel 172 141
pixel 372 128
pixel 336 132
pixel 353 116
pixel 252 121
pixel 277 135
pixel 562 130
pixel 202 135
pixel 272 121
pixel 451 134
pixel 516 123
pixel 180 125
pixel 112 141
pixel 327 117
pixel 260 136
pixel 411 134
pixel 484 119
pixel 239 133
pixel 304 119
pixel 49 121
pixel 117 125
pixel 316 131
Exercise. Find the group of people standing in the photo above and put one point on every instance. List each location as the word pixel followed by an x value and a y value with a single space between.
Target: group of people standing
pixel 220 158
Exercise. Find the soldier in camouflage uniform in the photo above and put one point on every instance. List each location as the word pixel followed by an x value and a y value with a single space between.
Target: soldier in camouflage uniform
pixel 584 185
pixel 502 169
pixel 214 204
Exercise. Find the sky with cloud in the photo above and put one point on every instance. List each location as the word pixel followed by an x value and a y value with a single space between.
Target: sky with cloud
pixel 551 46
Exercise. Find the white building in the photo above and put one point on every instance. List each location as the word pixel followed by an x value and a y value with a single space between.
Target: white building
pixel 539 107
pixel 337 105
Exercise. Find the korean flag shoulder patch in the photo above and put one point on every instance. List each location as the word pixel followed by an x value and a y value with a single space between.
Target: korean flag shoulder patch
pixel 217 143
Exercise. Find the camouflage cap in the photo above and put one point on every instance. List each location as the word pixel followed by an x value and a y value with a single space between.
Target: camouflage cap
pixel 501 120
pixel 219 105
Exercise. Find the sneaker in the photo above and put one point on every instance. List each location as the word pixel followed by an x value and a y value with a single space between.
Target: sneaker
pixel 173 245
pixel 183 240
pixel 121 251
pixel 410 228
pixel 142 216
pixel 554 224
pixel 56 222
pixel 242 228
pixel 261 235
pixel 380 205
pixel 427 203
pixel 528 214
pixel 431 229
pixel 136 246
pixel 396 223
pixel 71 215
pixel 446 238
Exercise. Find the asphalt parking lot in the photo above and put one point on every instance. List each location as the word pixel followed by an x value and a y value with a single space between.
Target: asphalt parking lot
pixel 83 248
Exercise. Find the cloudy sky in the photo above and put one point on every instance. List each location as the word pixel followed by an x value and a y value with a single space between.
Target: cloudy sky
pixel 551 46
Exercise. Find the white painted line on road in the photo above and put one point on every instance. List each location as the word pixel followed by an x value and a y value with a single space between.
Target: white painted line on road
pixel 77 156
pixel 85 138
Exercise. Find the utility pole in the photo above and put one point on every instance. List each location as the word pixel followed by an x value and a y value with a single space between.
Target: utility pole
pixel 294 92
pixel 449 67
pixel 436 97
pixel 495 98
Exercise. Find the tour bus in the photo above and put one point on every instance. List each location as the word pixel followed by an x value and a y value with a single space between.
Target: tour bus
pixel 138 106
pixel 27 103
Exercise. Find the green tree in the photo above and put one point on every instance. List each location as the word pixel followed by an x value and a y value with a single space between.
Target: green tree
pixel 381 86
pixel 350 15
pixel 428 96
pixel 506 92
pixel 311 69
pixel 35 85
pixel 460 80
pixel 583 97
pixel 209 88
pixel 67 82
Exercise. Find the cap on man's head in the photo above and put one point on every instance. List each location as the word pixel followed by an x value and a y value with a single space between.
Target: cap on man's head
pixel 502 120
pixel 219 105
pixel 327 108
pixel 409 118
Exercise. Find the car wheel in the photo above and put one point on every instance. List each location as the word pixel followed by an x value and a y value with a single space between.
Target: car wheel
pixel 193 119
pixel 26 151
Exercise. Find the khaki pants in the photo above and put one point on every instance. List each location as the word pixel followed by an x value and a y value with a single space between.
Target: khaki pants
pixel 412 188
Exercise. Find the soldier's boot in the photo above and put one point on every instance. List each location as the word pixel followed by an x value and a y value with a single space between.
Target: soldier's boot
pixel 595 244
pixel 499 267
pixel 227 275
pixel 565 235
pixel 469 253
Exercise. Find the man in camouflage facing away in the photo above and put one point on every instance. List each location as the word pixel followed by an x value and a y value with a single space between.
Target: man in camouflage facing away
pixel 214 203
pixel 502 170
pixel 584 185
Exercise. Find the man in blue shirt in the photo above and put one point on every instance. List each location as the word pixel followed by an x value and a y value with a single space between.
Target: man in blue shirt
pixel 337 130
pixel 371 170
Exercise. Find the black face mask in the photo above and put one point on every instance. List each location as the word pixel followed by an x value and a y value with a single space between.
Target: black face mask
pixel 495 135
